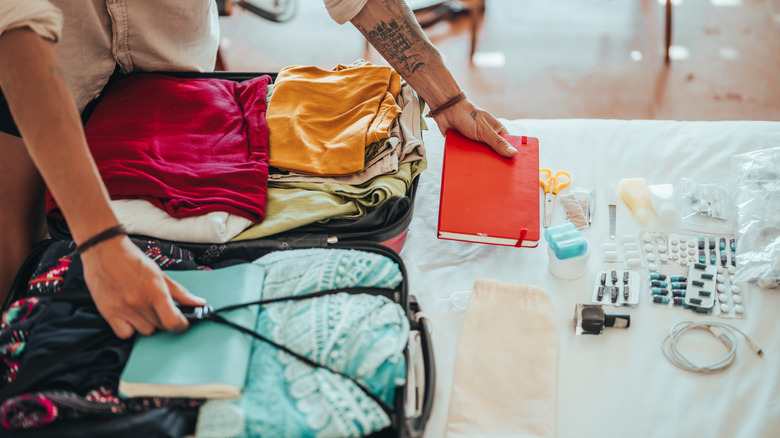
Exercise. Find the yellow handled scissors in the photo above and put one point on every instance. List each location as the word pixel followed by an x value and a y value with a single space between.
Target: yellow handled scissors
pixel 552 183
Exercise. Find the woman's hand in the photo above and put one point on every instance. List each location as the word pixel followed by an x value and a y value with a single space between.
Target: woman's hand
pixel 476 124
pixel 131 292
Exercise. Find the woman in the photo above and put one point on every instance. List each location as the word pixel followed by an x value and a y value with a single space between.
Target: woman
pixel 56 56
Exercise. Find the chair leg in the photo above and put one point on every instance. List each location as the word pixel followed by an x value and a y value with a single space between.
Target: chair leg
pixel 668 31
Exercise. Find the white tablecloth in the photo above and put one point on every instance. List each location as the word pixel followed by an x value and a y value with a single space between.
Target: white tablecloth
pixel 618 384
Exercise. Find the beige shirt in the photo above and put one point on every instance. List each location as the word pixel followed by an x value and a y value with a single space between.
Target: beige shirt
pixel 95 36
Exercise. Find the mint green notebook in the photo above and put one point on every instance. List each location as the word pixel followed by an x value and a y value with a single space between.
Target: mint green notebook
pixel 209 360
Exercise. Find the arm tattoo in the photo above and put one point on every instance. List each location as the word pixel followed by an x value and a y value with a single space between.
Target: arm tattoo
pixel 473 115
pixel 395 38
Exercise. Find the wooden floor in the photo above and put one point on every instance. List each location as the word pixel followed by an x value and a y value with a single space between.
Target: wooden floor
pixel 565 58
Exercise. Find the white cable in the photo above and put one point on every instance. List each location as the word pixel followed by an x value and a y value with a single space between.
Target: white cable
pixel 724 332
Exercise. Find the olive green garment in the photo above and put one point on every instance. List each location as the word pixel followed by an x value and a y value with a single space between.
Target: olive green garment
pixel 291 205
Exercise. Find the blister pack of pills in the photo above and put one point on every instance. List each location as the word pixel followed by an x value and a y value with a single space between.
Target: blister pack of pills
pixel 655 249
pixel 617 287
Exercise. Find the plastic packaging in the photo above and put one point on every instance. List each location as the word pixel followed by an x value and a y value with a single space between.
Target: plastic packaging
pixel 705 208
pixel 662 201
pixel 633 191
pixel 758 217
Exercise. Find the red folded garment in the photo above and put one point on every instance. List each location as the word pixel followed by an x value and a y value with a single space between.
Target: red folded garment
pixel 189 146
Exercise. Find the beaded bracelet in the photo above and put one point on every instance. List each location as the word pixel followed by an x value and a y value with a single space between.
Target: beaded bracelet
pixel 447 104
pixel 114 231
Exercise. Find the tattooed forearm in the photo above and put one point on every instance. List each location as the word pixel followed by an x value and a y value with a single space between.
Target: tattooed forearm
pixel 393 44
pixel 473 115
pixel 396 36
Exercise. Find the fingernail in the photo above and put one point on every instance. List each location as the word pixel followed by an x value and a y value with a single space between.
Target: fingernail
pixel 511 149
pixel 198 299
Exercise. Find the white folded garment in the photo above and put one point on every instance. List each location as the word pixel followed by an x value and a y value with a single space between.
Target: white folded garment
pixel 142 217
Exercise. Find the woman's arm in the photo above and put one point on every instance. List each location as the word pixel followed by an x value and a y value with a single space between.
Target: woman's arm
pixel 129 290
pixel 390 26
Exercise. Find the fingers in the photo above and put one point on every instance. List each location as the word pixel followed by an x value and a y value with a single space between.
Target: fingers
pixel 182 295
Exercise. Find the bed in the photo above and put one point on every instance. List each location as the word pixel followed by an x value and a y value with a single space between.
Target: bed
pixel 618 384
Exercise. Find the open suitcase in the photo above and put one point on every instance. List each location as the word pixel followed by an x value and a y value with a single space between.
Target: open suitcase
pixel 412 405
pixel 413 401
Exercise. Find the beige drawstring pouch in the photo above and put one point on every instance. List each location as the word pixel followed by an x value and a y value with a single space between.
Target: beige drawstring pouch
pixel 505 379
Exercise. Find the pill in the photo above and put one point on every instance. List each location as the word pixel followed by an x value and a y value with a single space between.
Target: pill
pixel 662 248
pixel 675 256
pixel 684 262
pixel 647 237
pixel 652 267
pixel 613 276
pixel 658 283
pixel 706 276
pixel 701 310
pixel 695 300
pixel 608 247
pixel 722 245
pixel 735 289
pixel 697 283
pixel 625 292
pixel 732 269
pixel 692 251
pixel 712 243
pixel 739 308
pixel 679 285
pixel 657 276
pixel 660 299
pixel 702 257
pixel 651 257
pixel 682 239
pixel 725 308
pixel 720 269
pixel 609 256
pixel 704 206
pixel 691 244
pixel 713 257
pixel 633 263
pixel 732 244
pixel 737 299
pixel 723 298
pixel 630 247
pixel 701 243
pixel 675 249
pixel 659 291
pixel 626 277
pixel 649 247
pixel 678 278
pixel 723 259
pixel 600 293
pixel 664 258
pixel 700 266
pixel 678 292
pixel 678 300
pixel 614 294
pixel 673 241
pixel 721 278
pixel 628 238
pixel 704 293
pixel 632 254
pixel 721 288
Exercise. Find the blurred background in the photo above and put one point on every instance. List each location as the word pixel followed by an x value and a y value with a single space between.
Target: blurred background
pixel 553 58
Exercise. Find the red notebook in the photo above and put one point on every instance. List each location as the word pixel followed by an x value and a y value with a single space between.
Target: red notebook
pixel 488 198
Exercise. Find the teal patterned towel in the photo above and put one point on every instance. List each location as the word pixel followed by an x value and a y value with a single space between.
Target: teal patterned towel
pixel 362 336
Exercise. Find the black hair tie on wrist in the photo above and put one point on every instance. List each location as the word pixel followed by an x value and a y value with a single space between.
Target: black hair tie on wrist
pixel 116 230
